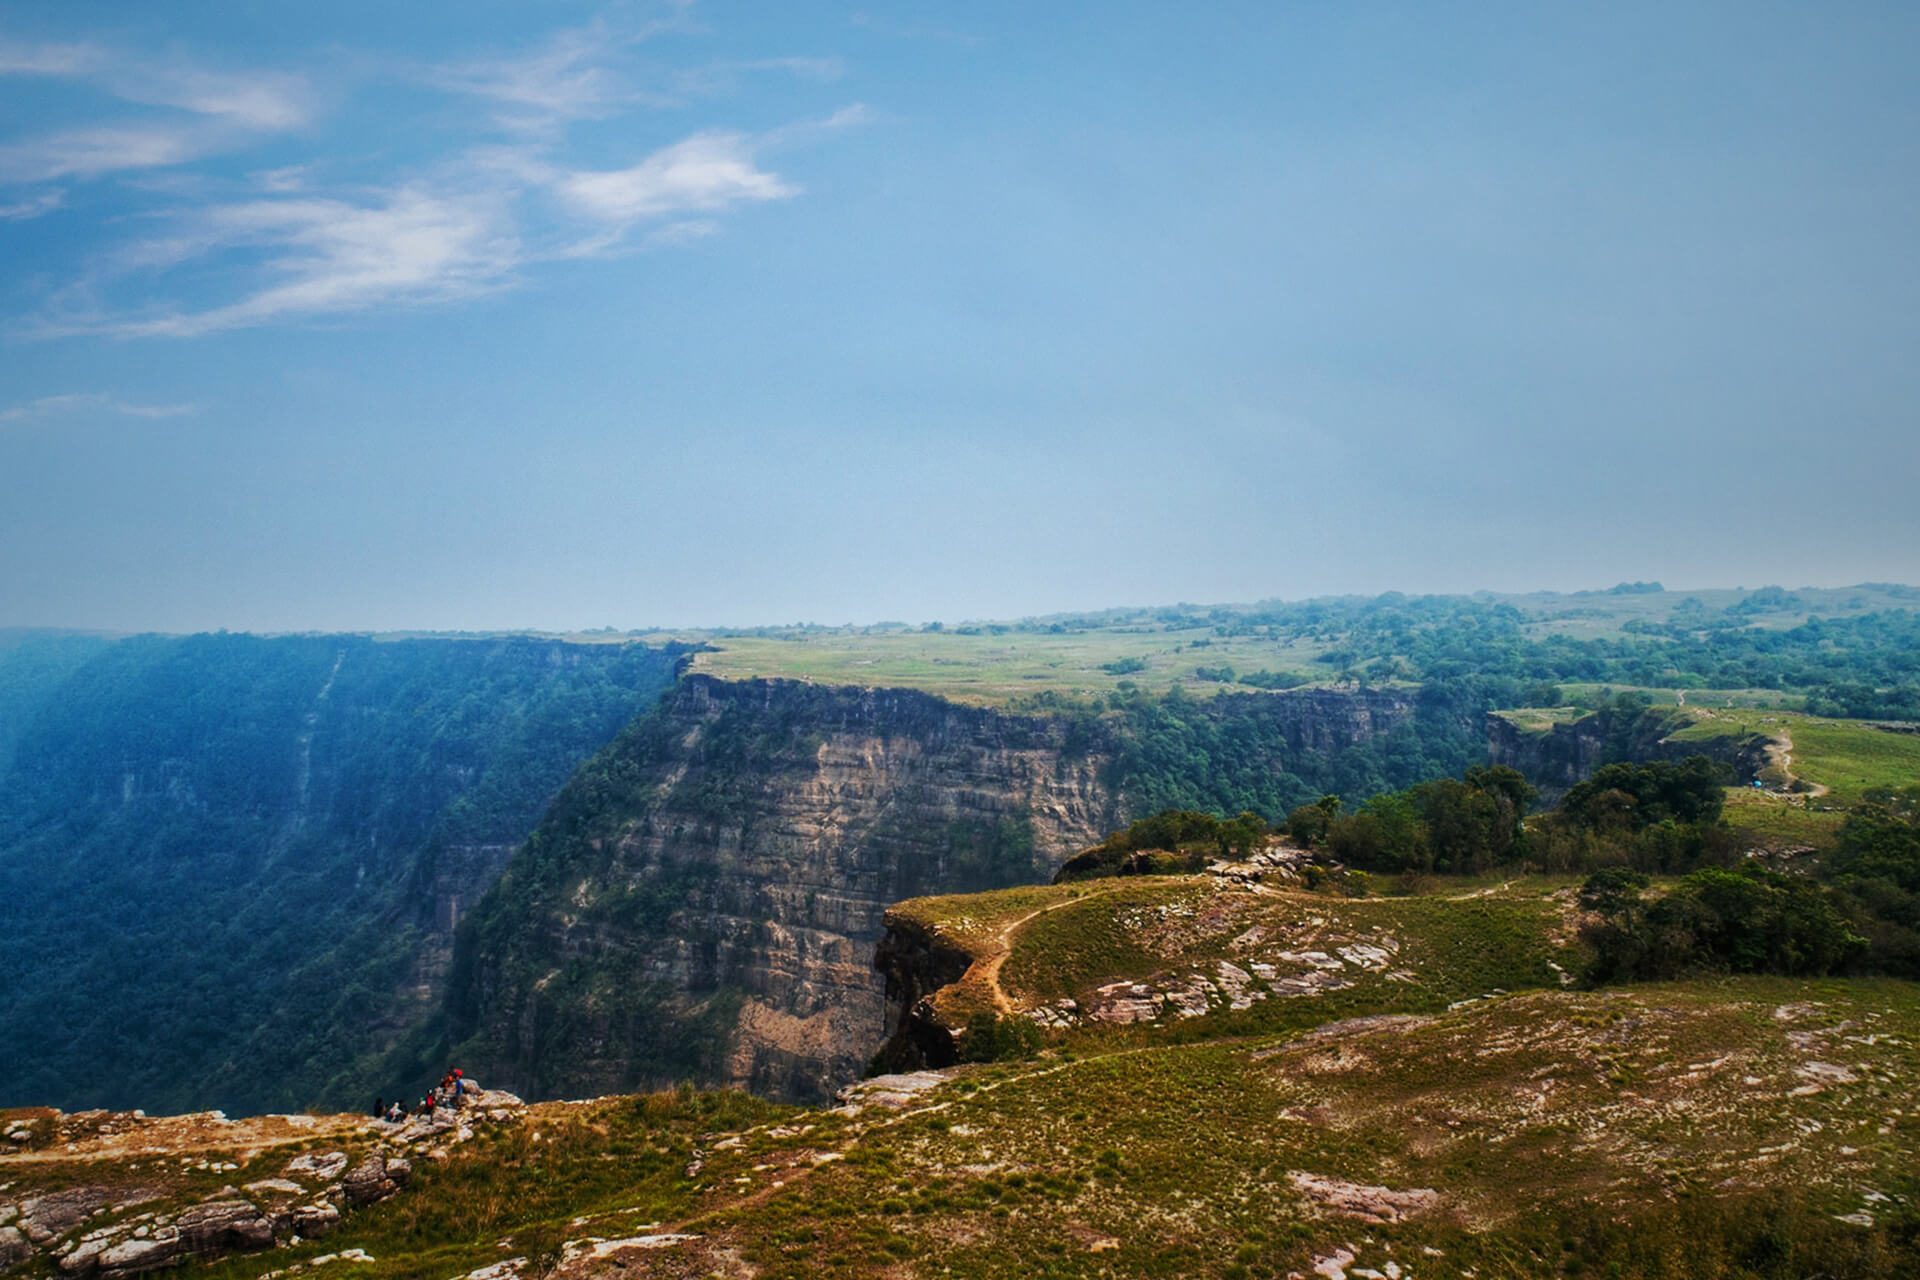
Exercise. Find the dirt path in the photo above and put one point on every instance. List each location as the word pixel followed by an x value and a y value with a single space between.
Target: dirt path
pixel 986 969
pixel 1780 752
pixel 1779 755
pixel 1502 887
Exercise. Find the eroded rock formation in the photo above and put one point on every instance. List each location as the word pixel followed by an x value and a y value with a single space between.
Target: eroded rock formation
pixel 706 897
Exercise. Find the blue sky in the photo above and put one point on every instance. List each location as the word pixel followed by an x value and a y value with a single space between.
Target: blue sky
pixel 567 315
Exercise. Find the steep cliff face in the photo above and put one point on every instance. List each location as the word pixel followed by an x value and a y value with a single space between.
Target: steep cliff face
pixel 1557 757
pixel 1552 759
pixel 1328 721
pixel 705 896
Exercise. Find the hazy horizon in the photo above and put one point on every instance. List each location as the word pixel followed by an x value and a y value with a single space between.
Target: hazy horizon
pixel 620 314
pixel 652 628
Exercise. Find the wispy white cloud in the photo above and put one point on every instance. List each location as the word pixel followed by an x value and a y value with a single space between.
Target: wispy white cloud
pixel 89 153
pixel 18 59
pixel 302 246
pixel 911 30
pixel 715 79
pixel 568 78
pixel 262 102
pixel 45 202
pixel 585 74
pixel 703 174
pixel 327 256
pixel 427 242
pixel 220 110
pixel 98 401
pixel 251 99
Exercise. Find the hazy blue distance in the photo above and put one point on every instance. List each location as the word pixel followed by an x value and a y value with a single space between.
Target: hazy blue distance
pixel 958 311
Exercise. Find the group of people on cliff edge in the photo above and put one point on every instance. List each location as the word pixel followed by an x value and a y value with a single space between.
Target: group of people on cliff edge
pixel 451 1092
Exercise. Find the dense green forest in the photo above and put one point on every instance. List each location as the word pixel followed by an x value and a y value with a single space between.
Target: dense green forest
pixel 32 665
pixel 220 855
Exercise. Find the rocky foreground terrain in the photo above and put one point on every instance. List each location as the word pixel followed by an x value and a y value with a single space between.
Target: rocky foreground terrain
pixel 1302 1112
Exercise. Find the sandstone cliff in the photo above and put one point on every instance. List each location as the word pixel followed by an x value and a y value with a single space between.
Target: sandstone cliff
pixel 1557 757
pixel 704 899
pixel 706 896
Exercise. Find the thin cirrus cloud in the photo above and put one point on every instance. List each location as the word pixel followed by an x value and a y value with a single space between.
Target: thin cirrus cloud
pixel 43 203
pixel 420 244
pixel 328 256
pixel 49 59
pixel 214 111
pixel 80 402
pixel 287 244
pixel 573 77
pixel 565 80
pixel 92 153
pixel 704 174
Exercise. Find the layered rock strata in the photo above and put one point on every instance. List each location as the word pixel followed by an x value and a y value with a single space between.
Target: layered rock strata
pixel 706 897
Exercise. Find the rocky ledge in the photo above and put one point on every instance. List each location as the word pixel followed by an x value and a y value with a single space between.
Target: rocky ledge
pixel 109 1230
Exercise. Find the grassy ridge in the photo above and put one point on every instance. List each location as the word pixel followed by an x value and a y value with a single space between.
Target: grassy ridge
pixel 1672 1131
pixel 996 669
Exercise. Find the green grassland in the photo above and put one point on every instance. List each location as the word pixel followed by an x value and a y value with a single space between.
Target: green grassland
pixel 1592 692
pixel 1066 655
pixel 1780 823
pixel 1298 958
pixel 1718 1129
pixel 1847 757
pixel 996 669
pixel 1453 1109
pixel 1823 767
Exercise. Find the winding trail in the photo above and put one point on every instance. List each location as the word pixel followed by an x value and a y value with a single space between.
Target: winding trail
pixel 985 970
pixel 1780 751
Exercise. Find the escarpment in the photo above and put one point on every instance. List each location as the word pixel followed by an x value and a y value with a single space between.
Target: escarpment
pixel 1557 756
pixel 704 898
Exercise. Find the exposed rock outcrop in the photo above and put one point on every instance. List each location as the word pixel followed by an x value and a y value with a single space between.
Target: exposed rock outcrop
pixel 916 963
pixel 1556 757
pixel 706 896
pixel 92 1232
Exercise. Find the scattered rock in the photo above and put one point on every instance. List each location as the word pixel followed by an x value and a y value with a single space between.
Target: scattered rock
pixel 1335 1266
pixel 13 1247
pixel 1123 1002
pixel 224 1226
pixel 325 1167
pixel 1370 1204
pixel 1344 1030
pixel 580 1259
pixel 313 1220
pixel 46 1218
pixel 509 1269
pixel 893 1091
pixel 276 1186
pixel 370 1181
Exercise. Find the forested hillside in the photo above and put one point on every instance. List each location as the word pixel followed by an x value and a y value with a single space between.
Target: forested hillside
pixel 33 664
pixel 229 864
